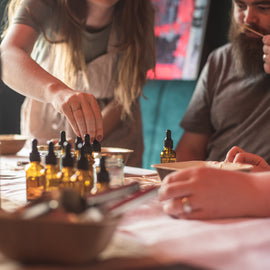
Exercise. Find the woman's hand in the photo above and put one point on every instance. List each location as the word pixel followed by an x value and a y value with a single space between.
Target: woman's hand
pixel 238 155
pixel 210 193
pixel 82 112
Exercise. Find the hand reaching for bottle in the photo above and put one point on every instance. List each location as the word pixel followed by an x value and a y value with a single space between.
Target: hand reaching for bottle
pixel 82 112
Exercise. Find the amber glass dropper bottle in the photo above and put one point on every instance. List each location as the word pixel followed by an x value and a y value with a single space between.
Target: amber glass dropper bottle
pixel 67 168
pixel 62 148
pixel 82 179
pixel 88 150
pixel 168 155
pixel 103 179
pixel 78 141
pixel 49 174
pixel 34 184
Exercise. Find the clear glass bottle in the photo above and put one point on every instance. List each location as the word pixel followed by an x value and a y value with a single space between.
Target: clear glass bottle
pixel 168 155
pixel 96 156
pixel 115 168
pixel 103 178
pixel 34 183
pixel 49 173
pixel 67 170
pixel 82 179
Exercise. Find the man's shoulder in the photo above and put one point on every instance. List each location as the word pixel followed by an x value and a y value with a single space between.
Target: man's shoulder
pixel 221 57
pixel 223 51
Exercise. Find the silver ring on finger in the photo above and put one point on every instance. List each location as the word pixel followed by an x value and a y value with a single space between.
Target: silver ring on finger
pixel 264 57
pixel 186 205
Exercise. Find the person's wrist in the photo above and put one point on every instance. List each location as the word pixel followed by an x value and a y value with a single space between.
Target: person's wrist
pixel 55 89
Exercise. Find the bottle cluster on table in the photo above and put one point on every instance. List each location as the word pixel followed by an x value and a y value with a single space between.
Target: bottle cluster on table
pixel 82 169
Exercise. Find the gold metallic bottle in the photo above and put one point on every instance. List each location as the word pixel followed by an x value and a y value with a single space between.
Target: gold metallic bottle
pixel 49 173
pixel 168 155
pixel 34 183
pixel 82 180
pixel 103 179
pixel 67 170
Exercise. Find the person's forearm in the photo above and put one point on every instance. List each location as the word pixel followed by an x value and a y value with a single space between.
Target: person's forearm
pixel 111 115
pixel 261 202
pixel 21 73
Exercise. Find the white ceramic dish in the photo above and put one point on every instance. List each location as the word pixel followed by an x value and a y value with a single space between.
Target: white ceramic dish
pixel 165 168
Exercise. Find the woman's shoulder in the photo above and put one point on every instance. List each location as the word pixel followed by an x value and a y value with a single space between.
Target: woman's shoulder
pixel 35 13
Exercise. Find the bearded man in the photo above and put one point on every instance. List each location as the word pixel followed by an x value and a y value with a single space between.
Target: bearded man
pixel 231 102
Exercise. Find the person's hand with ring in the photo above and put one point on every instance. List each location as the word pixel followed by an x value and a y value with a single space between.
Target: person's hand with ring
pixel 82 112
pixel 208 193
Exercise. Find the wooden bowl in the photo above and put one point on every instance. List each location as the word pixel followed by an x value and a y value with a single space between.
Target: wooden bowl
pixel 39 241
pixel 165 168
pixel 10 144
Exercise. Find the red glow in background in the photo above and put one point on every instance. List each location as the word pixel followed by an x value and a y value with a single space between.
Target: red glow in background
pixel 172 30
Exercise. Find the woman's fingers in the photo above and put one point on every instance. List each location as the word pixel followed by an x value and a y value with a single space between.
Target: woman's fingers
pixel 84 116
pixel 93 118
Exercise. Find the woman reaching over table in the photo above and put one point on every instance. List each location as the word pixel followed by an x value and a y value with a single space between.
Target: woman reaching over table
pixel 209 193
pixel 81 65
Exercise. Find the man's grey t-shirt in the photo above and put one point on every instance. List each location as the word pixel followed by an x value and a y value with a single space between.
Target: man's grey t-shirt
pixel 234 110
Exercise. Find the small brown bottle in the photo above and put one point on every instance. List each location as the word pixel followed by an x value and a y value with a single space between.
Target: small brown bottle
pixel 49 173
pixel 67 170
pixel 34 183
pixel 82 179
pixel 62 148
pixel 103 179
pixel 168 155
pixel 88 150
pixel 78 141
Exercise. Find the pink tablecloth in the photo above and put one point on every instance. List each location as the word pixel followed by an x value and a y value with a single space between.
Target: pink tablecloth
pixel 147 231
pixel 218 244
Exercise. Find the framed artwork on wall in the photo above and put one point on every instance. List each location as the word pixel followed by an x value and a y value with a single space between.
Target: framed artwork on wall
pixel 179 28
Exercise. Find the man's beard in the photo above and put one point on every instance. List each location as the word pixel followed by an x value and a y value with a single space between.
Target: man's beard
pixel 247 52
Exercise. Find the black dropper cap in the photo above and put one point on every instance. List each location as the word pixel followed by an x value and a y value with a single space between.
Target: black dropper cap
pixel 34 155
pixel 62 138
pixel 96 146
pixel 77 142
pixel 68 160
pixel 82 162
pixel 168 142
pixel 87 145
pixel 51 157
pixel 103 175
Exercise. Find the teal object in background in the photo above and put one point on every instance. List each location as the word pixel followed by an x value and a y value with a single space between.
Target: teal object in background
pixel 162 108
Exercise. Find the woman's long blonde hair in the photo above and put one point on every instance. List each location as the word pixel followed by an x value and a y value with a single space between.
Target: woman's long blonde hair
pixel 135 21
